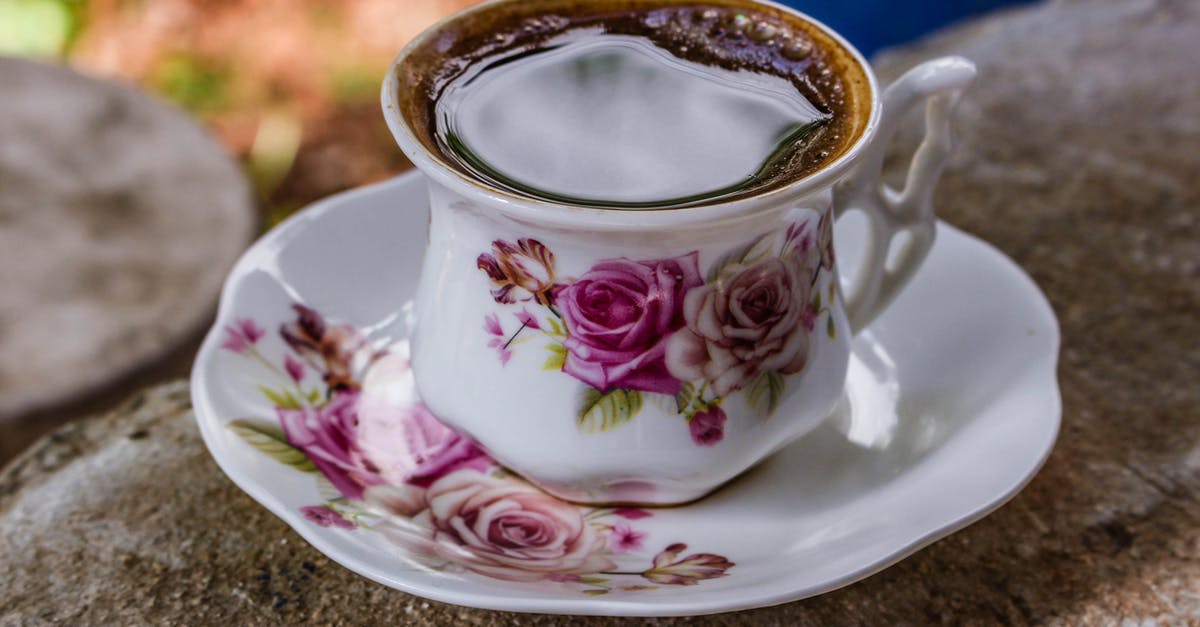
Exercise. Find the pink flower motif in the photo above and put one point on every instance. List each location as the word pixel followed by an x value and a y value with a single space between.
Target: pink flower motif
pixel 438 450
pixel 708 427
pixel 326 517
pixel 799 236
pixel 563 578
pixel 491 324
pixel 294 368
pixel 363 439
pixel 619 316
pixel 747 321
pixel 328 436
pixel 241 335
pixel 504 528
pixel 500 344
pixel 528 319
pixel 632 514
pixel 234 341
pixel 624 539
pixel 670 569
pixel 252 331
pixel 404 441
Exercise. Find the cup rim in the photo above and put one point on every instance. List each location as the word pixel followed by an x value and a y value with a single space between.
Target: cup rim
pixel 541 211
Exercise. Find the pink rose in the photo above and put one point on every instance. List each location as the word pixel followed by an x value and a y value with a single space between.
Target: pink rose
pixel 708 427
pixel 619 316
pixel 753 318
pixel 410 445
pixel 505 528
pixel 403 440
pixel 437 450
pixel 328 436
pixel 358 440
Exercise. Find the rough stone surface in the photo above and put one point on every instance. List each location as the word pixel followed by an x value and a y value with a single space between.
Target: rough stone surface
pixel 119 218
pixel 1079 159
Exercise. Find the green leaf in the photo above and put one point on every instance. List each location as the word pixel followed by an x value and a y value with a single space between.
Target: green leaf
pixel 558 357
pixel 196 84
pixel 594 581
pixel 595 592
pixel 269 439
pixel 600 412
pixel 829 328
pixel 555 327
pixel 765 392
pixel 282 400
pixel 687 393
pixel 816 302
pixel 736 255
pixel 313 397
pixel 354 84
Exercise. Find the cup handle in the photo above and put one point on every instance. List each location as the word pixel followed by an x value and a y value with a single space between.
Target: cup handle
pixel 940 83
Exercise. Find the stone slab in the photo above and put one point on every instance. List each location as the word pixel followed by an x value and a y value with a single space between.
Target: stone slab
pixel 119 217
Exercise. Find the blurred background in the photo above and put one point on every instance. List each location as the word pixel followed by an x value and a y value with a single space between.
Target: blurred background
pixel 289 88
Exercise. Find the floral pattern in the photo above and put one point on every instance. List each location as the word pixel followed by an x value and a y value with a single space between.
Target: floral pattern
pixel 392 468
pixel 744 324
pixel 521 272
pixel 326 435
pixel 618 317
pixel 626 328
pixel 336 351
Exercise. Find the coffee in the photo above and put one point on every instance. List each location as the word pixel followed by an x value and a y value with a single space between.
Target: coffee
pixel 640 105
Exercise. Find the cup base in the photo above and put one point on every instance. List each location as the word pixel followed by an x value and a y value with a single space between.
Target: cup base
pixel 631 494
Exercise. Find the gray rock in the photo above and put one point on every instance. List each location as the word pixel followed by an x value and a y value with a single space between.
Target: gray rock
pixel 119 218
pixel 1079 160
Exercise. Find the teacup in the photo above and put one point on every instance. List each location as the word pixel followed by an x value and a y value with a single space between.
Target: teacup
pixel 649 356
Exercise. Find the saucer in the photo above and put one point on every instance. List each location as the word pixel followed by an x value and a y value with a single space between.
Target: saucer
pixel 304 396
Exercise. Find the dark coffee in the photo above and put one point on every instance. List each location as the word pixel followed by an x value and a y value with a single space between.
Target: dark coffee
pixel 640 105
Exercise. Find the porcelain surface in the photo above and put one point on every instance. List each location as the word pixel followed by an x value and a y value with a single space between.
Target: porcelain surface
pixel 647 367
pixel 950 407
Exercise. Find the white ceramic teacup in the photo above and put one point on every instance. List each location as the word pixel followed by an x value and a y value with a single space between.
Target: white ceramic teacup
pixel 619 356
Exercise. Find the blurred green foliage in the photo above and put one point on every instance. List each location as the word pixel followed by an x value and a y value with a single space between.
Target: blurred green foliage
pixel 38 28
pixel 355 85
pixel 195 84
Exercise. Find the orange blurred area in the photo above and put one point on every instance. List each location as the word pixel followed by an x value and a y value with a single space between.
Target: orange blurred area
pixel 289 86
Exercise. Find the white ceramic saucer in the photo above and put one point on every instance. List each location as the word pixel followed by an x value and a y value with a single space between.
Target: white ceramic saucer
pixel 951 406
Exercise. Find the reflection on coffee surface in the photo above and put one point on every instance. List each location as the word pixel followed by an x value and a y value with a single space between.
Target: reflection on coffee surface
pixel 642 109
